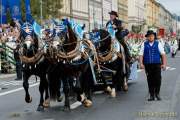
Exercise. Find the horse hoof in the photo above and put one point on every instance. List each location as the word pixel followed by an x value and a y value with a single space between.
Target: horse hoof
pixel 67 109
pixel 59 99
pixel 87 103
pixel 113 94
pixel 46 103
pixel 40 108
pixel 28 99
pixel 125 88
pixel 108 89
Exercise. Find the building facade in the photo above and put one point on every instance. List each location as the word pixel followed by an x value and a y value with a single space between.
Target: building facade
pixel 152 12
pixel 123 11
pixel 95 14
pixel 107 6
pixel 136 12
pixel 76 9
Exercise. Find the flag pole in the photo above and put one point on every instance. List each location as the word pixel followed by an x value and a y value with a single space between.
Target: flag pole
pixel 41 11
pixel 1 12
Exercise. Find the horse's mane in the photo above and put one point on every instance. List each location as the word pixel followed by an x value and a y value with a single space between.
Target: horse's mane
pixel 105 40
pixel 71 39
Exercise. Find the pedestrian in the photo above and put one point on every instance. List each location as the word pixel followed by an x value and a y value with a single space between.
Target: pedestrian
pixel 179 44
pixel 161 40
pixel 152 59
pixel 18 62
pixel 174 46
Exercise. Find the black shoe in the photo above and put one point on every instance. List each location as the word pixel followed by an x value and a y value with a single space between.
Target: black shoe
pixel 158 97
pixel 18 79
pixel 151 98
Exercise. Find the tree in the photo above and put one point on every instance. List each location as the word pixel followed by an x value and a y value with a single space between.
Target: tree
pixel 49 7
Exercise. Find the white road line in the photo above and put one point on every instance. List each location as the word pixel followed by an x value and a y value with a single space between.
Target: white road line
pixel 15 83
pixel 49 119
pixel 139 70
pixel 75 105
pixel 167 68
pixel 171 69
pixel 98 92
pixel 16 90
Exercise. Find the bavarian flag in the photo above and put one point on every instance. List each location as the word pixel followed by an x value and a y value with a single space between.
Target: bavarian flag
pixel 37 29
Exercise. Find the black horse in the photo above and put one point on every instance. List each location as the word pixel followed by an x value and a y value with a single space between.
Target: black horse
pixel 73 70
pixel 111 59
pixel 33 63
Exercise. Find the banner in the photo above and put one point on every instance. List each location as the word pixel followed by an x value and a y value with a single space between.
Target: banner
pixel 27 28
pixel 37 29
pixel 15 9
pixel 3 10
pixel 28 10
pixel 77 29
pixel 111 30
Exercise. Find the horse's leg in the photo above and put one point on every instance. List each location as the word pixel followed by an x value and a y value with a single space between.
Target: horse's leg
pixel 114 84
pixel 83 86
pixel 107 88
pixel 66 89
pixel 46 103
pixel 125 78
pixel 77 87
pixel 124 68
pixel 121 78
pixel 59 96
pixel 26 76
pixel 41 90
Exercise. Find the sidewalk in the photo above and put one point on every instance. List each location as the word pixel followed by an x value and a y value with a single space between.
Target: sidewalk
pixel 5 76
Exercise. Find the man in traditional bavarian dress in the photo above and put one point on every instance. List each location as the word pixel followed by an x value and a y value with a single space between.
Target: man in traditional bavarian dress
pixel 120 32
pixel 152 58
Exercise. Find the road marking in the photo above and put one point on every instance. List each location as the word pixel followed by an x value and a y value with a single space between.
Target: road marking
pixel 49 119
pixel 98 92
pixel 75 105
pixel 16 83
pixel 139 70
pixel 171 69
pixel 167 68
pixel 16 90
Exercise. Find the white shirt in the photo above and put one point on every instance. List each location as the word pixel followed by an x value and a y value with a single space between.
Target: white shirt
pixel 161 49
pixel 162 42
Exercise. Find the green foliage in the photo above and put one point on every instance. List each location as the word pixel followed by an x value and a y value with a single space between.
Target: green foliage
pixel 137 28
pixel 49 8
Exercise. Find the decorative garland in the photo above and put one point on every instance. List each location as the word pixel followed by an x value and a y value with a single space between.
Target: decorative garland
pixel 32 60
pixel 109 56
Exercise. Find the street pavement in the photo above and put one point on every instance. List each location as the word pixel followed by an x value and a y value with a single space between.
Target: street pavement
pixel 132 105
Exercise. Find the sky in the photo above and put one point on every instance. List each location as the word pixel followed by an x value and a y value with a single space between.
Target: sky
pixel 172 5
